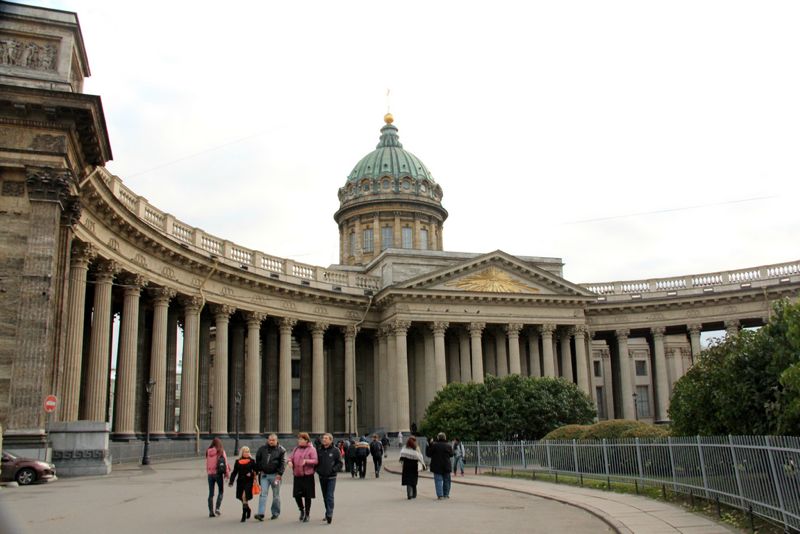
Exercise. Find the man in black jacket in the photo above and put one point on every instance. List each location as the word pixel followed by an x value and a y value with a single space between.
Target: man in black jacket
pixel 270 461
pixel 329 463
pixel 440 453
pixel 376 450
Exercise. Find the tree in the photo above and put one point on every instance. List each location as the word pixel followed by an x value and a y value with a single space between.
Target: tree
pixel 744 384
pixel 510 408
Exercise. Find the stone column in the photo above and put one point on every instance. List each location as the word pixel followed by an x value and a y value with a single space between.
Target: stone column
pixel 625 379
pixel 285 376
pixel 431 379
pixel 502 354
pixel 452 360
pixel 491 353
pixel 125 383
pixel 189 364
pixel 158 359
pixel 376 381
pixel 318 376
pixel 522 347
pixel 391 366
pixel 94 408
pixel 662 380
pixel 400 331
pixel 732 327
pixel 566 356
pixel 236 334
pixel 219 417
pixel 463 349
pixel 512 331
pixel 548 360
pixel 82 254
pixel 533 350
pixel 438 328
pixel 172 370
pixel 694 340
pixel 581 361
pixel 252 374
pixel 475 332
pixel 350 334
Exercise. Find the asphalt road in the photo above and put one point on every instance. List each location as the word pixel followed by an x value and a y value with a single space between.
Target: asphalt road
pixel 171 498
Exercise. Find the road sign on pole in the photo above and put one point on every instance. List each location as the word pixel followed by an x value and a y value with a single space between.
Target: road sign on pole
pixel 50 404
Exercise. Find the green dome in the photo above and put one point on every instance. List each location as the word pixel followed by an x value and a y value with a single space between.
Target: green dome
pixel 389 159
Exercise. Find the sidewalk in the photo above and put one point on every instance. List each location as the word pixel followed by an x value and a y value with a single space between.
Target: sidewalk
pixel 627 514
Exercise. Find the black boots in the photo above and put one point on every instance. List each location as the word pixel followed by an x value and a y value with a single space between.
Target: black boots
pixel 245 513
pixel 302 515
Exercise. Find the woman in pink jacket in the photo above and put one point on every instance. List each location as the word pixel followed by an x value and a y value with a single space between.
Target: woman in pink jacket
pixel 303 461
pixel 218 470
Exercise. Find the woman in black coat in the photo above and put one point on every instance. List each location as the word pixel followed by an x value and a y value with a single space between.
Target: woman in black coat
pixel 412 463
pixel 245 470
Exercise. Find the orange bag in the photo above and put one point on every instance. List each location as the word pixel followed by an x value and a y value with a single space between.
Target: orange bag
pixel 256 486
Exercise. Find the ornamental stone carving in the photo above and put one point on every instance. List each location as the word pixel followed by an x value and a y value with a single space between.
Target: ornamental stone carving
pixel 400 327
pixel 622 334
pixel 20 52
pixel 318 329
pixel 286 323
pixel 658 331
pixel 476 329
pixel 350 331
pixel 105 270
pixel 513 329
pixel 222 311
pixel 82 253
pixel 191 303
pixel 13 188
pixel 254 317
pixel 547 329
pixel 49 143
pixel 439 327
pixel 133 283
pixel 47 183
pixel 161 294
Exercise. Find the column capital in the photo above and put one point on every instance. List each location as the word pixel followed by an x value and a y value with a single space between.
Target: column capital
pixel 438 327
pixel 401 327
pixel 694 328
pixel 286 324
pixel 82 253
pixel 384 330
pixel 513 329
pixel 48 183
pixel 105 270
pixel 605 354
pixel 476 329
pixel 161 295
pixel 222 311
pixel 318 329
pixel 732 323
pixel 622 334
pixel 133 283
pixel 658 331
pixel 547 328
pixel 191 303
pixel 254 318
pixel 350 330
pixel 580 330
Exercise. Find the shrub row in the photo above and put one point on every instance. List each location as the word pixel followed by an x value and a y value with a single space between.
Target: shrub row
pixel 612 429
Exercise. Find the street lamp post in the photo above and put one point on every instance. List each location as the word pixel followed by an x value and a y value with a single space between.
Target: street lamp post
pixel 635 406
pixel 149 389
pixel 349 417
pixel 238 402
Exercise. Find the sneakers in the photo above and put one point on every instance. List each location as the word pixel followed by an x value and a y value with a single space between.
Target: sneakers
pixel 273 517
pixel 258 517
pixel 217 512
pixel 329 518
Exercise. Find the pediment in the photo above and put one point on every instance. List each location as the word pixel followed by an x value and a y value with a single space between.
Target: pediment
pixel 496 273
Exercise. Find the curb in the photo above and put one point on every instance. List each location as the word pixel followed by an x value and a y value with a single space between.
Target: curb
pixel 614 524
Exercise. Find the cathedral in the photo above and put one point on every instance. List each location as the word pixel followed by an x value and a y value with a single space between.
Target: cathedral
pixel 138 322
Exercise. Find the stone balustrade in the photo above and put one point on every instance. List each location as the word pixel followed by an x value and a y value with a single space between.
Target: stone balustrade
pixel 766 275
pixel 196 239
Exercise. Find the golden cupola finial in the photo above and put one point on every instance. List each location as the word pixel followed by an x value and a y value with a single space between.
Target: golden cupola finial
pixel 388 119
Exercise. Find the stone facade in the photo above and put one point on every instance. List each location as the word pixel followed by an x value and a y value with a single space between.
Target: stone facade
pixel 275 344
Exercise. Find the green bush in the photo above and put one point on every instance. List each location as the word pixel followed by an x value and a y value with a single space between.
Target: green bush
pixel 612 429
pixel 646 431
pixel 567 432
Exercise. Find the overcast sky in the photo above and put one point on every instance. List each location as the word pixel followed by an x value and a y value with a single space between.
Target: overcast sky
pixel 631 139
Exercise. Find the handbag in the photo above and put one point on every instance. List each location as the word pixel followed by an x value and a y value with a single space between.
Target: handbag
pixel 256 486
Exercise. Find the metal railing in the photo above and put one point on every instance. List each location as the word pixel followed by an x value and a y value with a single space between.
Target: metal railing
pixel 758 474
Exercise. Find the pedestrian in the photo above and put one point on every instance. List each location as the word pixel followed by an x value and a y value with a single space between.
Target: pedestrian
pixel 459 455
pixel 329 463
pixel 218 470
pixel 385 443
pixel 400 439
pixel 413 463
pixel 303 460
pixel 246 470
pixel 350 457
pixel 340 446
pixel 376 450
pixel 362 453
pixel 440 453
pixel 271 462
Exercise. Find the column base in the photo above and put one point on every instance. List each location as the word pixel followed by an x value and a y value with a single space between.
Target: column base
pixel 285 435
pixel 126 436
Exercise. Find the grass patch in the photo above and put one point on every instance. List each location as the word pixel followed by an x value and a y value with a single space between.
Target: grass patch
pixel 717 511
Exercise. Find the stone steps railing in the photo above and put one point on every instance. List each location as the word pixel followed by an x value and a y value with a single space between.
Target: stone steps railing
pixel 698 283
pixel 231 253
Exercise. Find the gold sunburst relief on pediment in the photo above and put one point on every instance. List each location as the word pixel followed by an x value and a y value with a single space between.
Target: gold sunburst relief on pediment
pixel 492 280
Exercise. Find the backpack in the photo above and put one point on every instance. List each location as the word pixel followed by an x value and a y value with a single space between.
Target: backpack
pixel 222 465
pixel 376 448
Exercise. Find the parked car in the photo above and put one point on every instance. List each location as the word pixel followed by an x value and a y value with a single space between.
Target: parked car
pixel 25 470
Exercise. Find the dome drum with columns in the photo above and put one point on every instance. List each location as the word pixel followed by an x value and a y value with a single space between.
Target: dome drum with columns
pixel 85 261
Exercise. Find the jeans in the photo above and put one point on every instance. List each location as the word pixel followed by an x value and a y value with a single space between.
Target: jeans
pixel 267 482
pixel 328 486
pixel 219 482
pixel 378 461
pixel 361 466
pixel 442 483
pixel 458 464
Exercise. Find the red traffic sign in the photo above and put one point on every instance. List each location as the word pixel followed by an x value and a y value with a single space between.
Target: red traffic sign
pixel 50 403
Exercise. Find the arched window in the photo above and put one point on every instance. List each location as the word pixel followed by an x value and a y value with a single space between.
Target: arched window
pixel 406 235
pixel 423 239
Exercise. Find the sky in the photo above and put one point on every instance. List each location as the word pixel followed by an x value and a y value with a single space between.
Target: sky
pixel 631 139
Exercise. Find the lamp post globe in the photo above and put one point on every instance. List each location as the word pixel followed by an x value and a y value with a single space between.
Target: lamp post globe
pixel 349 417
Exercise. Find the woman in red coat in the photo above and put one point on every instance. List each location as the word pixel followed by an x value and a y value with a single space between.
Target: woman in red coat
pixel 303 461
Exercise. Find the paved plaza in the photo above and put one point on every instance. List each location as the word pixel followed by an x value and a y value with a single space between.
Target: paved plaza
pixel 171 497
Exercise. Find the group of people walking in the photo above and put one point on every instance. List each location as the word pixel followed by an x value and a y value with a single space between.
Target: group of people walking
pixel 257 476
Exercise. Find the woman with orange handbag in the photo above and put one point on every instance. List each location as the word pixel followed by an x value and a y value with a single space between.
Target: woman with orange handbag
pixel 245 470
